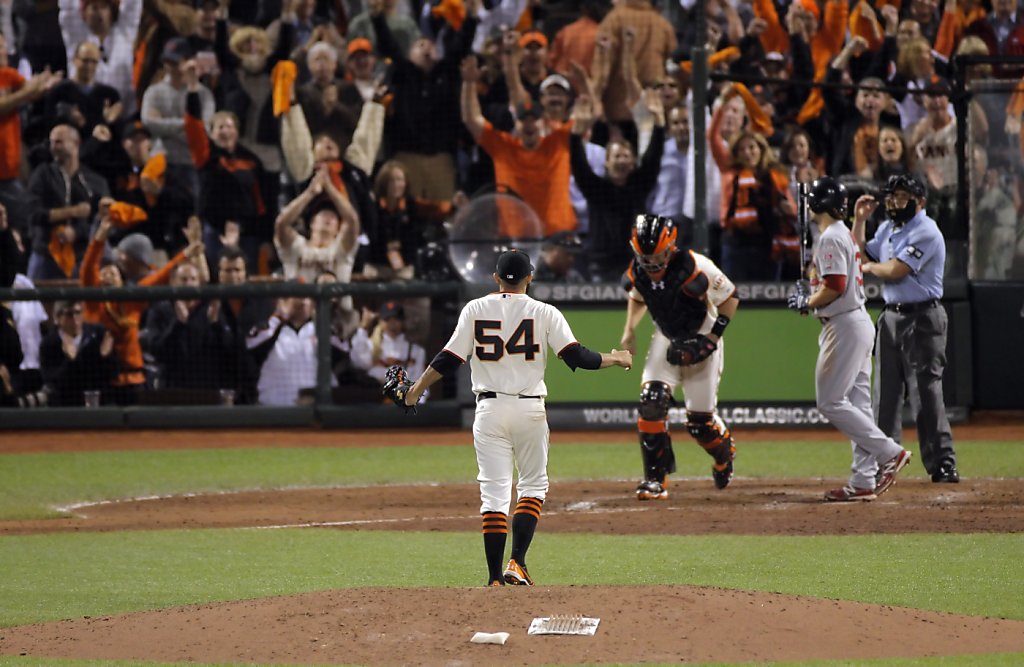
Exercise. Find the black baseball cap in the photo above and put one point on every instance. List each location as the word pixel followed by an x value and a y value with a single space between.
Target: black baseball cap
pixel 132 127
pixel 909 183
pixel 176 50
pixel 513 266
pixel 391 309
pixel 938 86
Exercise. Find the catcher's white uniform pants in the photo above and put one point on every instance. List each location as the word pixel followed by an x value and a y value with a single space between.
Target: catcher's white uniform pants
pixel 842 383
pixel 700 381
pixel 510 432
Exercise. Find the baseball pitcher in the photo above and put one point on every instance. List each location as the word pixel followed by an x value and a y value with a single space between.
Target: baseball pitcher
pixel 505 336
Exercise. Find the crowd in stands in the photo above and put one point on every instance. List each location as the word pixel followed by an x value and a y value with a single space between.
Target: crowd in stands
pixel 185 142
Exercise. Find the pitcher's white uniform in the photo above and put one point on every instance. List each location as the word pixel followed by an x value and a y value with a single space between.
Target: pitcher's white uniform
pixel 505 337
pixel 842 376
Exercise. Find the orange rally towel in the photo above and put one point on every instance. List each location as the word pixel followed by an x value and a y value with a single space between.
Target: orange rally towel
pixel 63 253
pixel 812 7
pixel 282 77
pixel 334 168
pixel 865 27
pixel 452 11
pixel 1015 107
pixel 126 215
pixel 728 53
pixel 155 168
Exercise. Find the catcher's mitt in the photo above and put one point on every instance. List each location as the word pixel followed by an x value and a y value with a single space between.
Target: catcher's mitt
pixel 690 351
pixel 396 386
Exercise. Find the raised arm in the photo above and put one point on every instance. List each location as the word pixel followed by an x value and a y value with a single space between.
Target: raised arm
pixel 387 46
pixel 734 25
pixel 511 55
pixel 718 145
pixel 472 116
pixel 89 271
pixel 650 164
pixel 774 37
pixel 284 225
pixel 634 89
pixel 366 139
pixel 862 210
pixel 18 95
pixel 297 143
pixel 833 26
pixel 195 130
pixel 945 40
pixel 350 227
pixel 590 184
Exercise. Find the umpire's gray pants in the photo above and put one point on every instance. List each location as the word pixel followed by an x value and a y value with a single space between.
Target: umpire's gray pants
pixel 910 357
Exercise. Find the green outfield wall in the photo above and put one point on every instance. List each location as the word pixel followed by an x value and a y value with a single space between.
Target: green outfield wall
pixel 769 356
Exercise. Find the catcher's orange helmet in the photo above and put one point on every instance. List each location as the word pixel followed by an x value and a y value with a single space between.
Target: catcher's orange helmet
pixel 653 241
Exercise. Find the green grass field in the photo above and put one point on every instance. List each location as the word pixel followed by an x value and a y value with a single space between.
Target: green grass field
pixel 68 575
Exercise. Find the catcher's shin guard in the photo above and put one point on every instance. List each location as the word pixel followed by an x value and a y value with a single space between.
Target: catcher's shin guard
pixel 713 435
pixel 655 442
pixel 658 457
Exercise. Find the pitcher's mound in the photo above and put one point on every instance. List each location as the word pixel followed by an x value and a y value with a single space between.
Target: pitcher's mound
pixel 432 626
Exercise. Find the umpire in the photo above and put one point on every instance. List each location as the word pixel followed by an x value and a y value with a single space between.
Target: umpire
pixel 909 254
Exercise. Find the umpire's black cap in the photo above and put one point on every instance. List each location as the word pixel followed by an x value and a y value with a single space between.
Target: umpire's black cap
pixel 513 266
pixel 909 183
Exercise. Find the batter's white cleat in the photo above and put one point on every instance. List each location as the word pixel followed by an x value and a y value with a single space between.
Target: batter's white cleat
pixel 887 475
pixel 848 494
pixel 516 574
pixel 650 489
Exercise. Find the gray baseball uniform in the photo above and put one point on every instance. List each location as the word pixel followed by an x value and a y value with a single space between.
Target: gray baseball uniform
pixel 842 375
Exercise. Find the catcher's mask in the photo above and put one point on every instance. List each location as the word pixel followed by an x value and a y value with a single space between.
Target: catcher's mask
pixel 827 195
pixel 903 193
pixel 653 241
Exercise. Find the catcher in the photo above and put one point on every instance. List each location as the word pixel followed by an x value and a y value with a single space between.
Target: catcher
pixel 691 302
pixel 505 335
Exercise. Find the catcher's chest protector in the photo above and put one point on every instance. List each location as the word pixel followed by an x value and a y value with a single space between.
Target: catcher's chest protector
pixel 676 302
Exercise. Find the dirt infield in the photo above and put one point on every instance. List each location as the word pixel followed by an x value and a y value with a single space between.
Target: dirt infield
pixel 747 507
pixel 433 626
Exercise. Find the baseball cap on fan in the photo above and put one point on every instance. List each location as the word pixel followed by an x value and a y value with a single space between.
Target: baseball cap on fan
pixel 556 80
pixel 514 266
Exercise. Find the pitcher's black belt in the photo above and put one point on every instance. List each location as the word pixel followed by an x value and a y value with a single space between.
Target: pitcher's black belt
pixel 493 394
pixel 910 308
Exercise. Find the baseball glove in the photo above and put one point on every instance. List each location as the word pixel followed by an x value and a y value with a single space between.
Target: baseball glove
pixel 396 386
pixel 690 351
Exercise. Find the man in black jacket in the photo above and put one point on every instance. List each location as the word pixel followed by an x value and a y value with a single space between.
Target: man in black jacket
pixel 75 356
pixel 64 196
pixel 424 125
pixel 189 339
pixel 615 200
pixel 241 317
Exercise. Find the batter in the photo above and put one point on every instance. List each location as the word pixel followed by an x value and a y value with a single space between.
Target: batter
pixel 842 375
pixel 506 335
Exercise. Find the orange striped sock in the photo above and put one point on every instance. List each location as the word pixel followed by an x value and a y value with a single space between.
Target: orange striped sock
pixel 495 530
pixel 524 524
